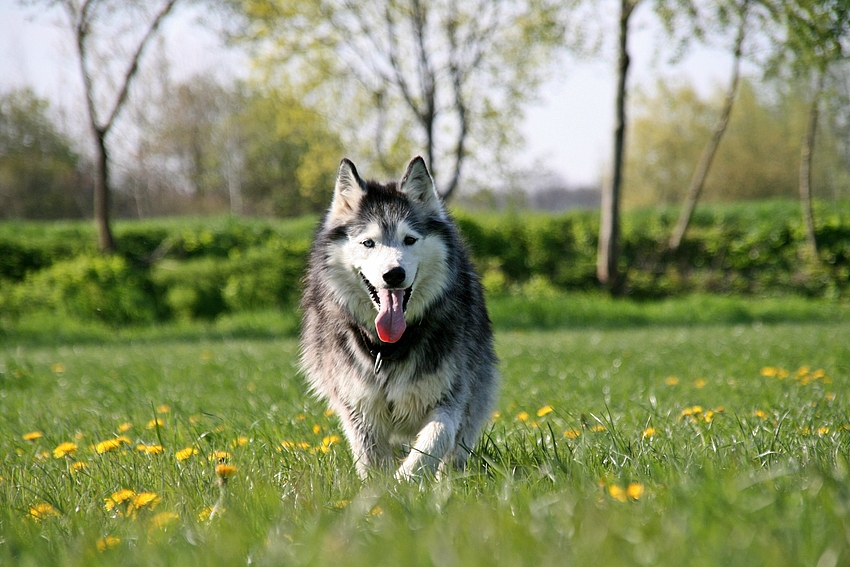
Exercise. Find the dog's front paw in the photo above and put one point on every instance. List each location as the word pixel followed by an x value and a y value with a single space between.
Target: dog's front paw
pixel 415 469
pixel 406 473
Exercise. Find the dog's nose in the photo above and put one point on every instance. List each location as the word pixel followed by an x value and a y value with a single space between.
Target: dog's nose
pixel 395 277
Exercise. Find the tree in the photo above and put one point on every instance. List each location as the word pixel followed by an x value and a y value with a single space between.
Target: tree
pixel 256 147
pixel 88 20
pixel 817 35
pixel 740 11
pixel 607 260
pixel 290 155
pixel 40 173
pixel 759 155
pixel 399 74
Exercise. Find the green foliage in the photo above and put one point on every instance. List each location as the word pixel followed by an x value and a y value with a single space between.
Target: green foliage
pixel 40 175
pixel 291 156
pixel 759 156
pixel 261 278
pixel 205 268
pixel 260 150
pixel 89 287
pixel 394 75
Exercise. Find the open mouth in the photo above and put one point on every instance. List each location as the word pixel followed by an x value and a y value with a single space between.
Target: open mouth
pixel 392 304
pixel 373 293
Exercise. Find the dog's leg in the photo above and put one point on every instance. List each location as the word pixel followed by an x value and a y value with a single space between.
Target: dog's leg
pixel 368 449
pixel 432 444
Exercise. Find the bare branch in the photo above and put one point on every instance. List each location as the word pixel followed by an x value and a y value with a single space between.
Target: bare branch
pixel 134 64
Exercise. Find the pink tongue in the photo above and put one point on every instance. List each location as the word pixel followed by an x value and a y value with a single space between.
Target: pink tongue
pixel 390 320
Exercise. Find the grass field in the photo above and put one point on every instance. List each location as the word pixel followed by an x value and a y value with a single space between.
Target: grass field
pixel 699 431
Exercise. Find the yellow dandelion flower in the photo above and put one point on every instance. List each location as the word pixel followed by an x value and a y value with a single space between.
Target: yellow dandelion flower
pixel 33 435
pixel 649 432
pixel 617 493
pixel 700 383
pixel 144 499
pixel 317 429
pixel 117 498
pixel 204 514
pixel 164 408
pixel 329 412
pixel 239 441
pixel 154 423
pixel 78 466
pixel 184 454
pixel 597 428
pixel 340 504
pixel 692 412
pixel 635 490
pixel 327 442
pixel 64 449
pixel 376 510
pixel 149 449
pixel 571 433
pixel 111 444
pixel 224 472
pixel 219 456
pixel 162 520
pixel 760 414
pixel 125 427
pixel 671 381
pixel 58 368
pixel 43 511
pixel 286 446
pixel 823 430
pixel 107 542
pixel 545 410
pixel 300 417
pixel 522 416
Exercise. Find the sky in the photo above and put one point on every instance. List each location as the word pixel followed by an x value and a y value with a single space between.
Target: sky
pixel 568 130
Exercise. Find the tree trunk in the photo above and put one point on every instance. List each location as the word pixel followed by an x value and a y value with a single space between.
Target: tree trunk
pixel 106 242
pixel 607 270
pixel 80 19
pixel 806 154
pixel 704 164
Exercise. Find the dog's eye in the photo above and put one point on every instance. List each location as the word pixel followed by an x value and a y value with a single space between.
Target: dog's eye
pixel 410 240
pixel 368 243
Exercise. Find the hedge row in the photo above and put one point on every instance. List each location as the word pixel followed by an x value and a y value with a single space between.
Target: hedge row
pixel 201 268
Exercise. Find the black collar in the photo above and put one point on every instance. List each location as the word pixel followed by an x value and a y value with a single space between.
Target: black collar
pixel 382 351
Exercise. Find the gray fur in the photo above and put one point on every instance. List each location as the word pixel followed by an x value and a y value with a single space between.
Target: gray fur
pixel 435 387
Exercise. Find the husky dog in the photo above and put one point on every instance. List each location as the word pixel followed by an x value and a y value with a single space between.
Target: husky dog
pixel 395 334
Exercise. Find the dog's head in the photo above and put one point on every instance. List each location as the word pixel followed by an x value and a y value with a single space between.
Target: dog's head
pixel 388 251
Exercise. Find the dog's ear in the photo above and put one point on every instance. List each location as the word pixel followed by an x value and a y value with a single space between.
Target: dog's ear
pixel 418 185
pixel 348 192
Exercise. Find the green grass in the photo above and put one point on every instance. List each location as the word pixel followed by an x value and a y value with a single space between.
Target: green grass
pixel 758 477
